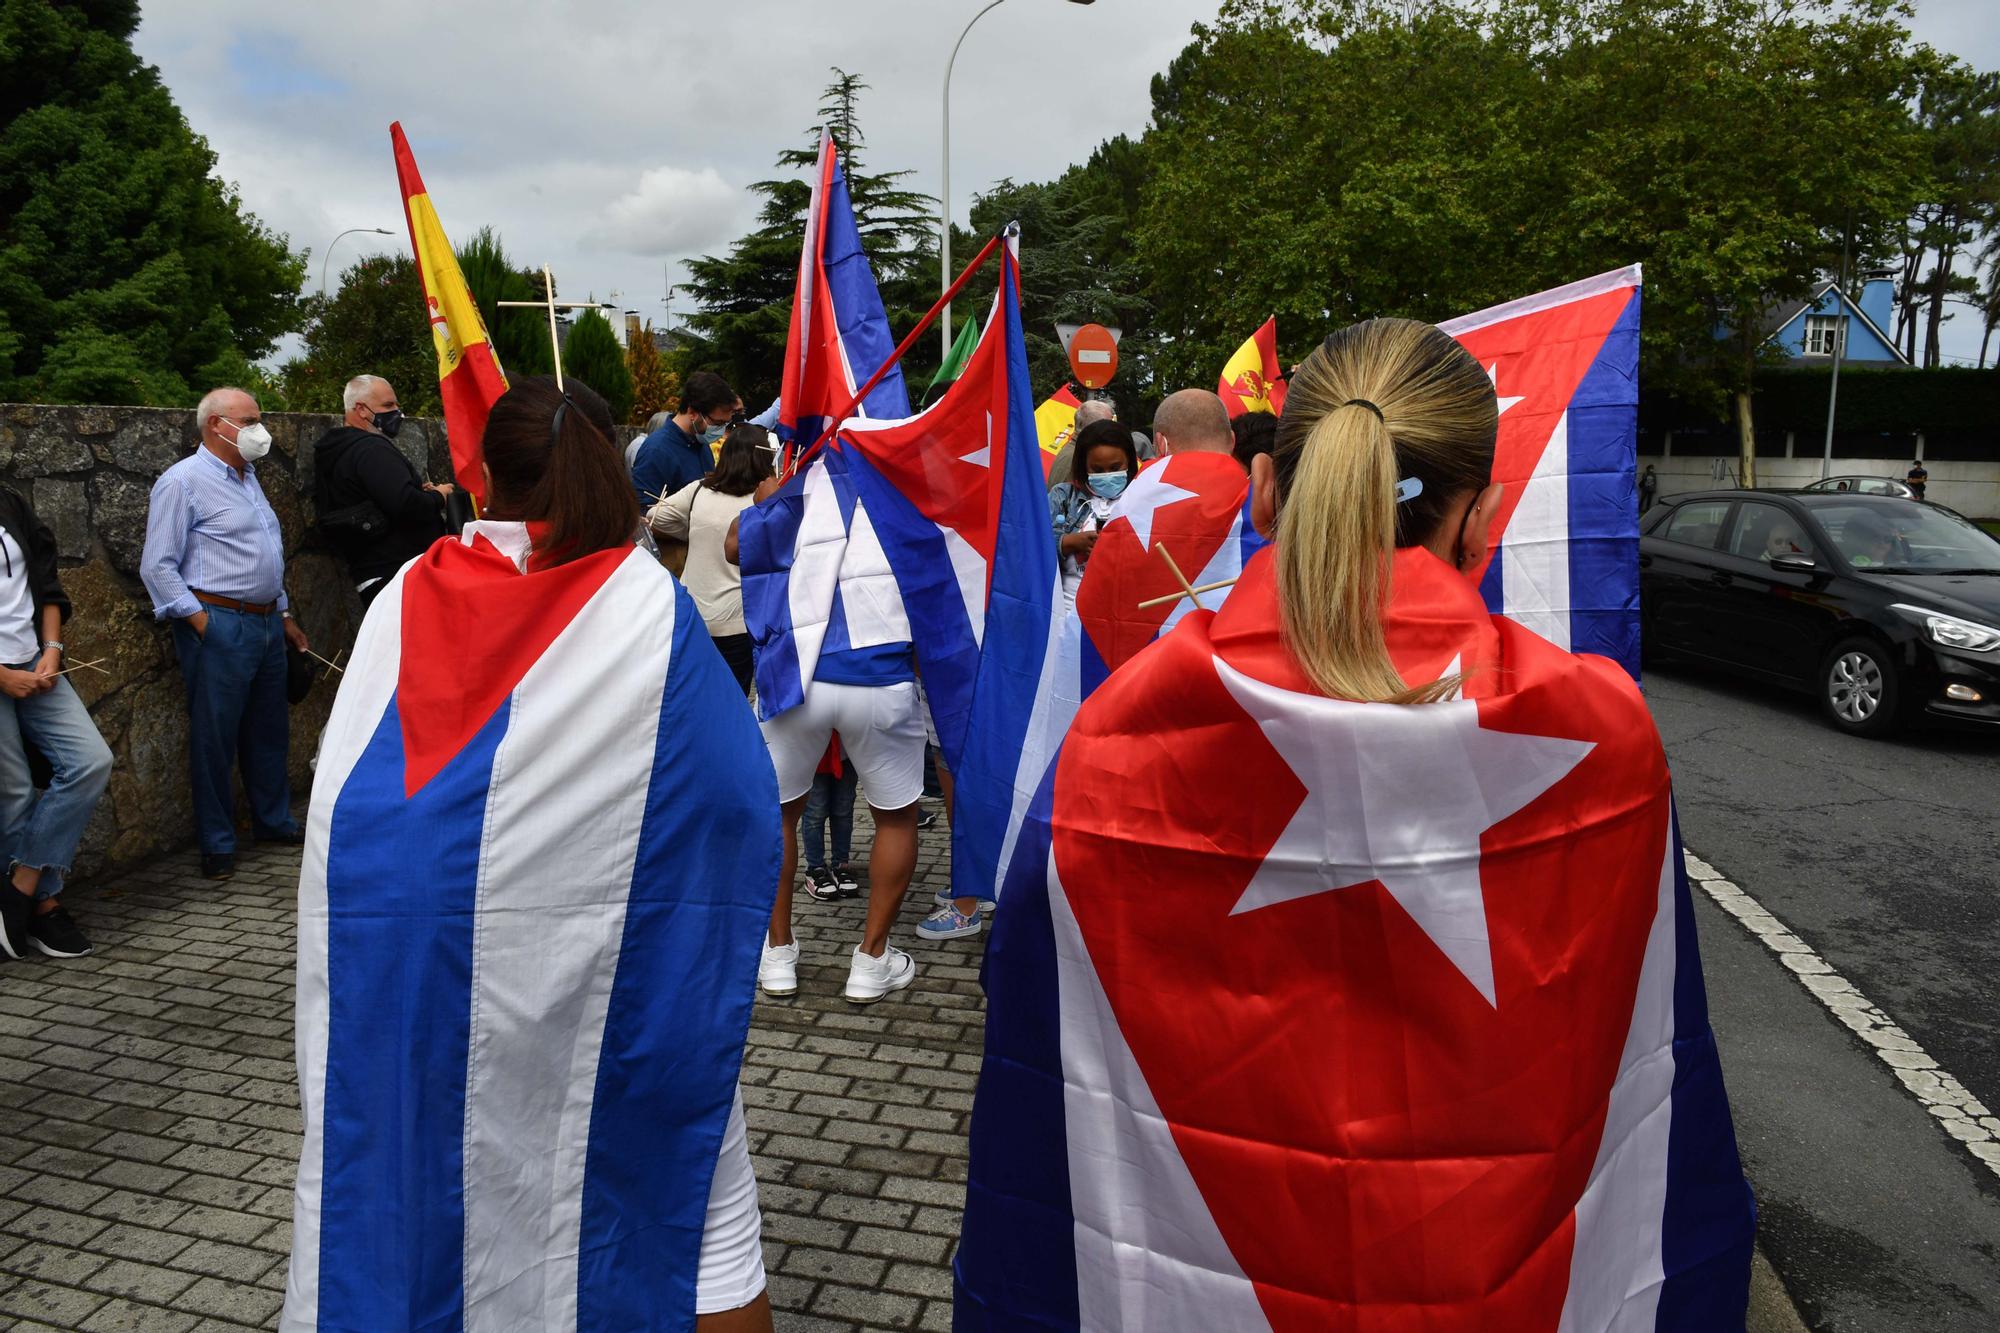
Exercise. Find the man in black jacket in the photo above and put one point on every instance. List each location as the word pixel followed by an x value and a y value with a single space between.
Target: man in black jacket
pixel 374 506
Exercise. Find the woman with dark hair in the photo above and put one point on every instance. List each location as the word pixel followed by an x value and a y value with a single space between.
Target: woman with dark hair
pixel 1102 465
pixel 701 514
pixel 526 957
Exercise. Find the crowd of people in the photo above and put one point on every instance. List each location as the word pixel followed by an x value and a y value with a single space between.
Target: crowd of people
pixel 214 568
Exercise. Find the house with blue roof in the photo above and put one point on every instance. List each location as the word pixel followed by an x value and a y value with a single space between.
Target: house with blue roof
pixel 1808 331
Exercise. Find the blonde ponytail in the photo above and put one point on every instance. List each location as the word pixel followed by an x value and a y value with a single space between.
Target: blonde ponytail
pixel 1336 537
pixel 1378 402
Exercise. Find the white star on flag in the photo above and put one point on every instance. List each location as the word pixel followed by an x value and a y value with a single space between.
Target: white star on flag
pixel 1150 491
pixel 983 455
pixel 1493 373
pixel 1399 794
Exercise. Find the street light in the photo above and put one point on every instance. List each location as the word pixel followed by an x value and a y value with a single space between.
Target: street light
pixel 944 195
pixel 328 253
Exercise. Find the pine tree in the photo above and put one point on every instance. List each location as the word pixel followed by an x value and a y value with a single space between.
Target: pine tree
pixel 373 324
pixel 520 338
pixel 127 272
pixel 746 295
pixel 654 387
pixel 591 353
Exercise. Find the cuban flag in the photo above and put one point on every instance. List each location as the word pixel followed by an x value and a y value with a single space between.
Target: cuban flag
pixel 1309 1014
pixel 538 868
pixel 1195 506
pixel 804 591
pixel 960 506
pixel 839 333
pixel 1565 557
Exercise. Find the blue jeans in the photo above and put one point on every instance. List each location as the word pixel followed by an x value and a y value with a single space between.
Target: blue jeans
pixel 833 796
pixel 235 674
pixel 42 831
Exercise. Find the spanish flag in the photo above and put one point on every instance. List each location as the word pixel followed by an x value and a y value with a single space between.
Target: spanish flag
pixel 1055 422
pixel 469 378
pixel 1251 382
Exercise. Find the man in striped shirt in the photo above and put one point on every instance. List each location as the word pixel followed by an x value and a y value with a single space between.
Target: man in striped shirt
pixel 214 565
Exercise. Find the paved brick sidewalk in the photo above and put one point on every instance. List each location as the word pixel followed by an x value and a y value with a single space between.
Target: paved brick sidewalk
pixel 149 1113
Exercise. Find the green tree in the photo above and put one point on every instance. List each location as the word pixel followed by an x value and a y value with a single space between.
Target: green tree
pixel 520 338
pixel 373 324
pixel 745 296
pixel 1329 160
pixel 126 269
pixel 1958 112
pixel 591 353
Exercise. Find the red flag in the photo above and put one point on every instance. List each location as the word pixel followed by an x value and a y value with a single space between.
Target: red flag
pixel 469 377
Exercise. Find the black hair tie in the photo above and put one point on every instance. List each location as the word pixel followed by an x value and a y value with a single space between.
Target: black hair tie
pixel 556 422
pixel 1363 402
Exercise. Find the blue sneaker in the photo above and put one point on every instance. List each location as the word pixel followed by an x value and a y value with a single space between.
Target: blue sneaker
pixel 947 924
pixel 946 898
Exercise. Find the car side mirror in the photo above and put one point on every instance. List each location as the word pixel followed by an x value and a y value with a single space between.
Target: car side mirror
pixel 1795 564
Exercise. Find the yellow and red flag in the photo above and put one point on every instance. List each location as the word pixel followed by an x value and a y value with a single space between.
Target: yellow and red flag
pixel 1251 382
pixel 1055 422
pixel 469 376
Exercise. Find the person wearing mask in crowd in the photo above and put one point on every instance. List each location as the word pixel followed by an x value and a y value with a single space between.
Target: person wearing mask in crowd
pixel 701 514
pixel 679 451
pixel 374 506
pixel 1096 409
pixel 1102 466
pixel 39 832
pixel 214 565
pixel 541 953
pixel 1192 421
pixel 1253 433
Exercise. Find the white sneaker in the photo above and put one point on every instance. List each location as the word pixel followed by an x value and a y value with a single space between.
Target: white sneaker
pixel 778 970
pixel 869 979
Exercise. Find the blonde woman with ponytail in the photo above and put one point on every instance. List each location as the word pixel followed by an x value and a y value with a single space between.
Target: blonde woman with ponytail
pixel 1339 969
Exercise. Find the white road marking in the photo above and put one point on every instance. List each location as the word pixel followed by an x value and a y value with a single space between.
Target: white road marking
pixel 1961 1114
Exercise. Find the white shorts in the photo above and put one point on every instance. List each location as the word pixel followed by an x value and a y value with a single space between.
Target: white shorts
pixel 731 1271
pixel 881 733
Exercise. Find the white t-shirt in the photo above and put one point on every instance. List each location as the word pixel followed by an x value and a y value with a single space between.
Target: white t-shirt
pixel 18 642
pixel 701 518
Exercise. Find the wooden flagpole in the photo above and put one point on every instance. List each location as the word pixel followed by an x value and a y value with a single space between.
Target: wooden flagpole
pixel 550 303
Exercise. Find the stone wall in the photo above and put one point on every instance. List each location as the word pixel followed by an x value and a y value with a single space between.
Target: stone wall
pixel 90 471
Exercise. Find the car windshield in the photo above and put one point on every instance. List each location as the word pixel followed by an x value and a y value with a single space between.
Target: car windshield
pixel 1908 538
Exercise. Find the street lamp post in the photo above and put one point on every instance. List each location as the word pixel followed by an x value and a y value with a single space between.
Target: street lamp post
pixel 944 194
pixel 328 253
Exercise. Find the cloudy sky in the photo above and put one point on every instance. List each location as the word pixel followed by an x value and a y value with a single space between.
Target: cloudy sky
pixel 611 139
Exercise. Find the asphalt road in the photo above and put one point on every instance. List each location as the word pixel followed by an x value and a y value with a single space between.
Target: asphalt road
pixel 1884 857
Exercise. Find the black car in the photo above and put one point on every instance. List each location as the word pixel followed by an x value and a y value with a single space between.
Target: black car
pixel 1884 608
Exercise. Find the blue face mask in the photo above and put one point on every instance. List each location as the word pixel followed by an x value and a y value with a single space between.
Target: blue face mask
pixel 1110 485
pixel 710 434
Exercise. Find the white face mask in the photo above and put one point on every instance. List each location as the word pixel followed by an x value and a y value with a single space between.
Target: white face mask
pixel 252 441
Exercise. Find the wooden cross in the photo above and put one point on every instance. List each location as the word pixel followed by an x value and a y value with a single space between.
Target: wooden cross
pixel 1188 590
pixel 549 303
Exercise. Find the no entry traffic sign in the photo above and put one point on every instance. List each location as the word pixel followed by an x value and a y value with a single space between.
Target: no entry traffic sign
pixel 1093 355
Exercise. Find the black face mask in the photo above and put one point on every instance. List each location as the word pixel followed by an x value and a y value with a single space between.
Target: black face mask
pixel 389 422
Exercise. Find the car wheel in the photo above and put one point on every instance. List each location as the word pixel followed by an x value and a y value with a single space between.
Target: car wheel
pixel 1858 688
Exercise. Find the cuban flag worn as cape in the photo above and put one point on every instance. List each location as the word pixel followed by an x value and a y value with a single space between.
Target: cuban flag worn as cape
pixel 1308 1014
pixel 538 868
pixel 803 593
pixel 1564 550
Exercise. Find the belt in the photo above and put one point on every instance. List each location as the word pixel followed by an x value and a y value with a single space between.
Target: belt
pixel 232 604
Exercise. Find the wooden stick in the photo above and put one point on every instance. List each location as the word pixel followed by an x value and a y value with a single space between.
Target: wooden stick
pixel 317 658
pixel 1180 578
pixel 1191 592
pixel 78 666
